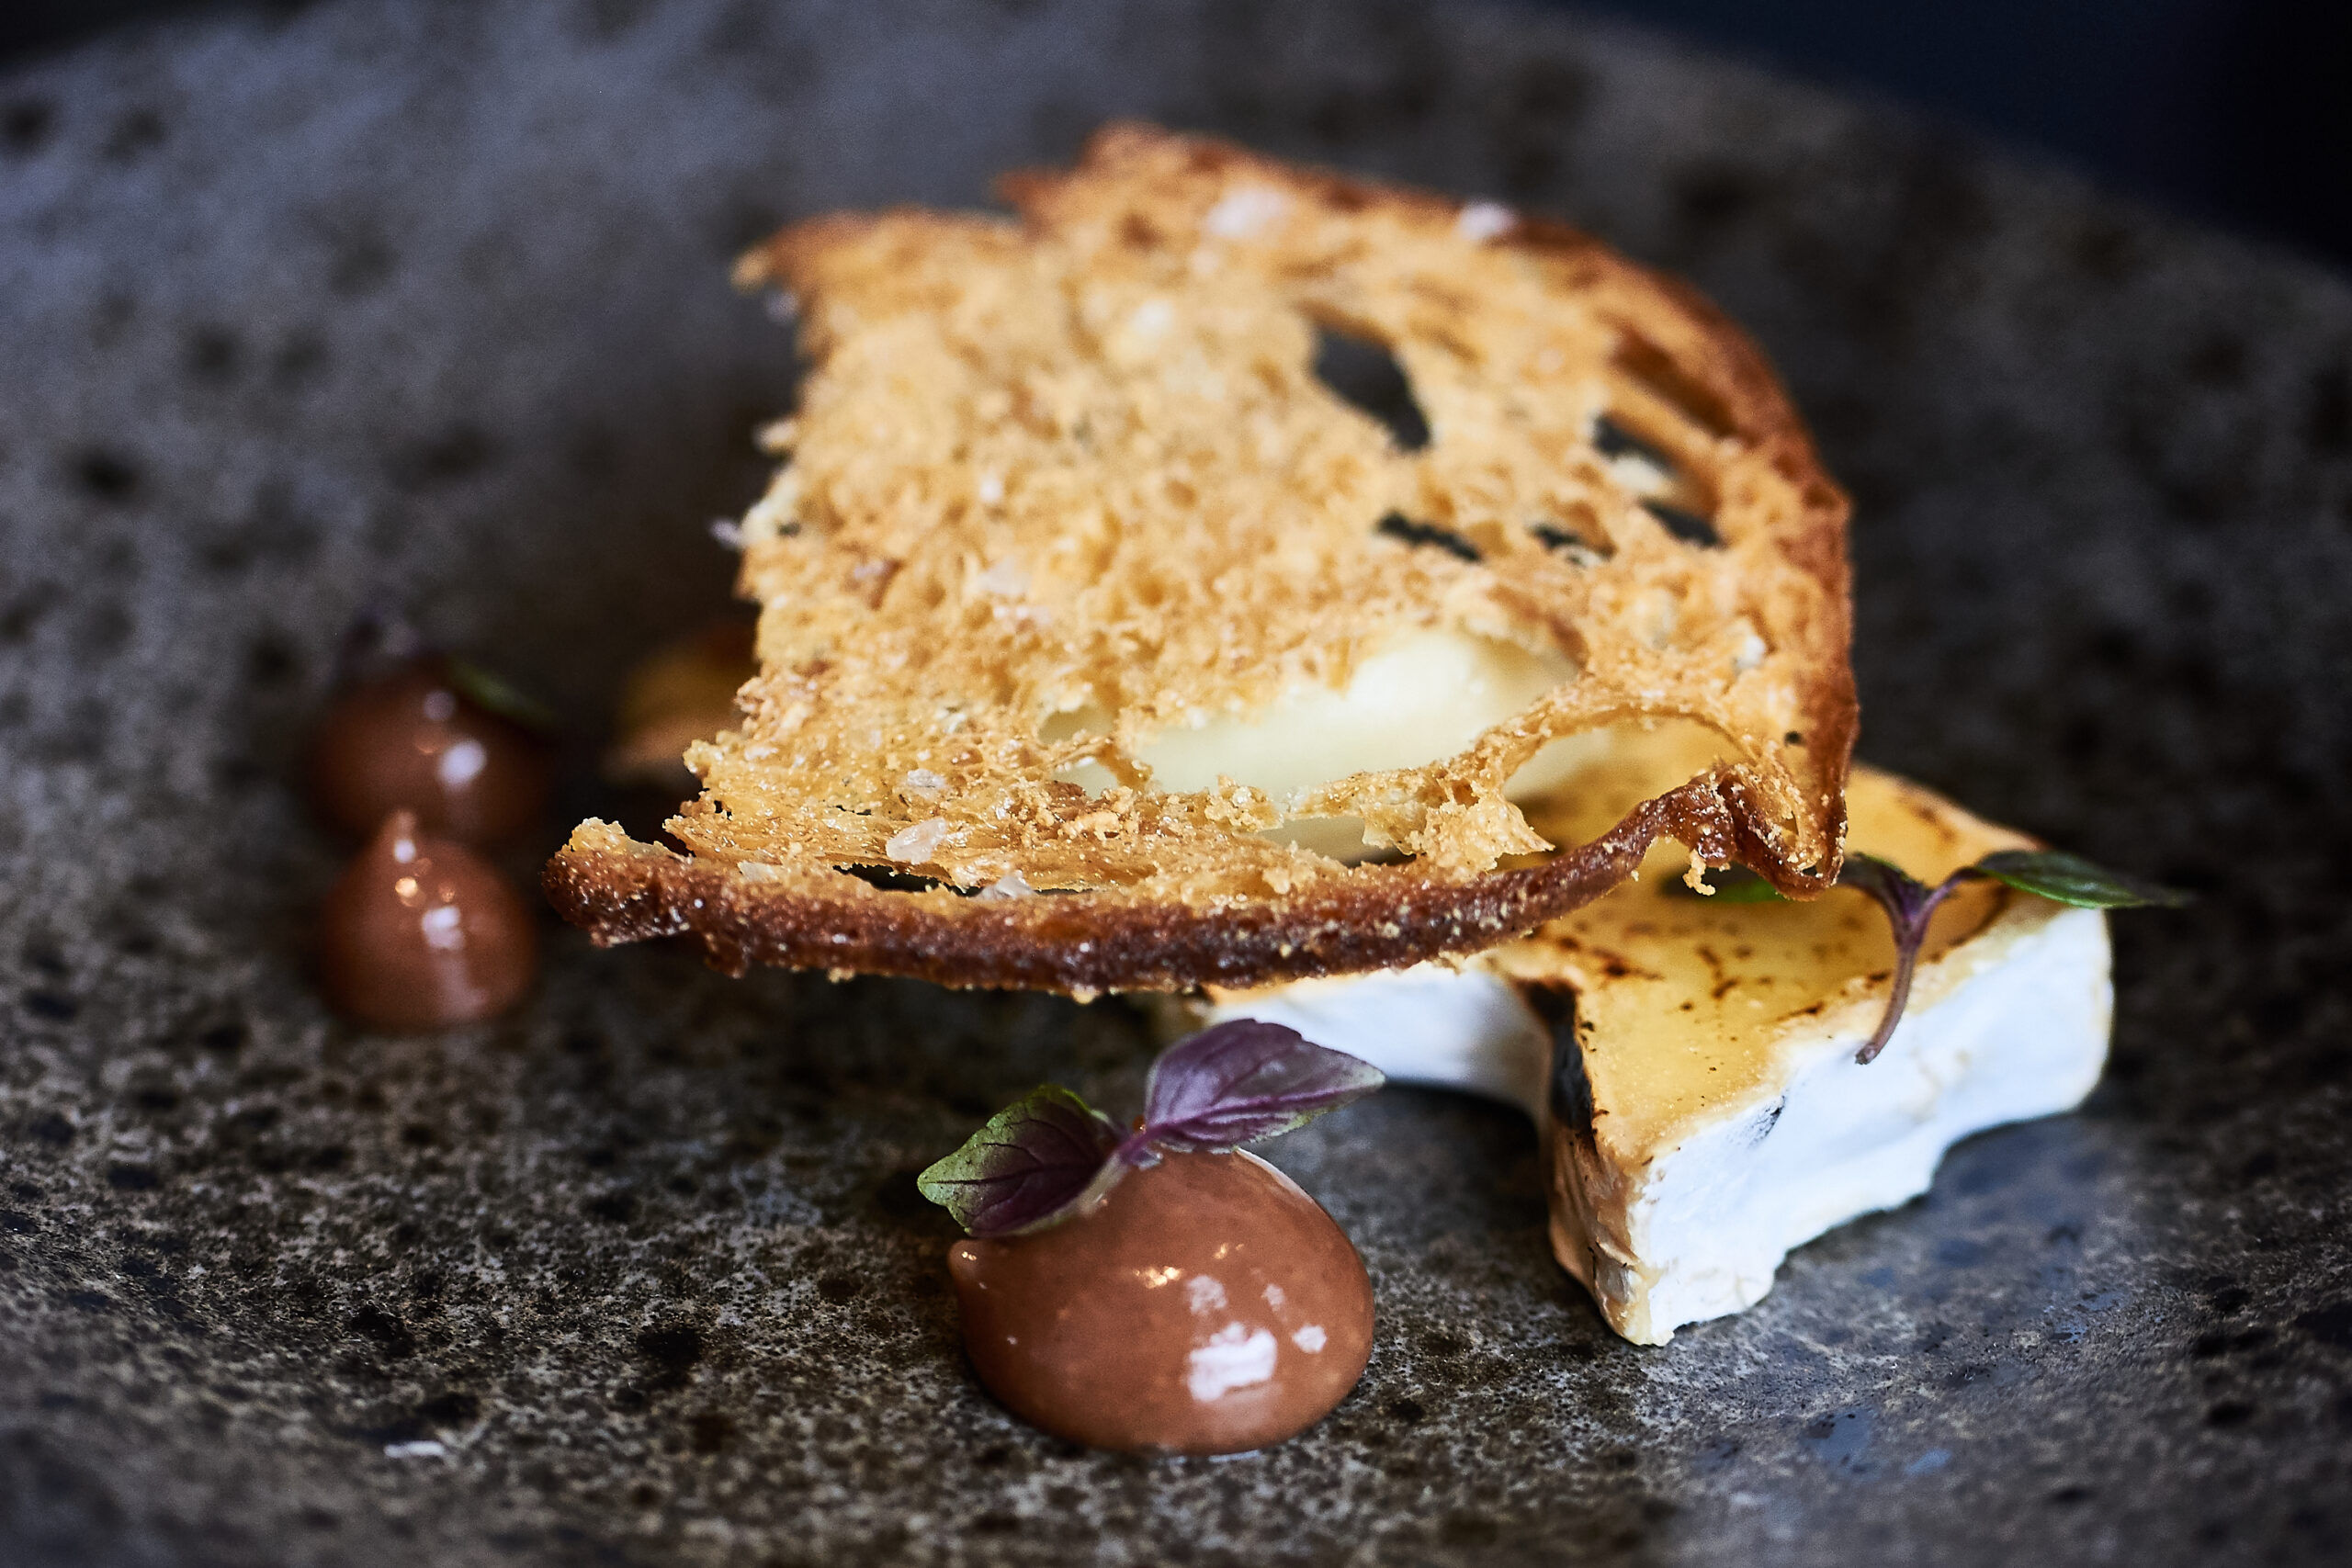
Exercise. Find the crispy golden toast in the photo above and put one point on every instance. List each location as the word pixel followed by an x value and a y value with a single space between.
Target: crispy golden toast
pixel 1068 520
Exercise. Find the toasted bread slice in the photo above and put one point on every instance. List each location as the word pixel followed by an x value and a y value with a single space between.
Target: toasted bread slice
pixel 1083 592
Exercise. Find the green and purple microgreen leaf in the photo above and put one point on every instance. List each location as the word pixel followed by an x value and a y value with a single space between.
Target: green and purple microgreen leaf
pixel 2070 879
pixel 1050 1155
pixel 1909 903
pixel 1244 1081
pixel 2047 874
pixel 492 692
pixel 1033 1161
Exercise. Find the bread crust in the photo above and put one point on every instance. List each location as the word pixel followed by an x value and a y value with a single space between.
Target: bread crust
pixel 619 891
pixel 949 352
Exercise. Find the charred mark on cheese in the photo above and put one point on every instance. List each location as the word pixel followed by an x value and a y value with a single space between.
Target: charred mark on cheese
pixel 1399 526
pixel 1685 526
pixel 1570 1092
pixel 1364 374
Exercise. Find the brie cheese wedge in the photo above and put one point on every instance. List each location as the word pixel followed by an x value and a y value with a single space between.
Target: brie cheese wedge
pixel 1690 1062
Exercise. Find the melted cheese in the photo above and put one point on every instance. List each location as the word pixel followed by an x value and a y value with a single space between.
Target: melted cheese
pixel 1419 699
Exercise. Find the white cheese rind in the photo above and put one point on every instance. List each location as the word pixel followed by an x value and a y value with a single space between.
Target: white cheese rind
pixel 2023 1033
pixel 2009 1025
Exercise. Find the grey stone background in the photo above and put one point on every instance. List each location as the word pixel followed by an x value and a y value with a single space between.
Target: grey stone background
pixel 424 305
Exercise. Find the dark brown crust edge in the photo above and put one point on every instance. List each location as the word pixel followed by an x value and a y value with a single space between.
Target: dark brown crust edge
pixel 1378 918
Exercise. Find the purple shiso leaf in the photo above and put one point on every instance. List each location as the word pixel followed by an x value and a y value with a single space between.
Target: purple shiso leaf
pixel 1241 1082
pixel 1051 1156
pixel 1033 1163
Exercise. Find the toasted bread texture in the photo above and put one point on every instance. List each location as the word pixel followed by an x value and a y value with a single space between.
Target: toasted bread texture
pixel 1064 486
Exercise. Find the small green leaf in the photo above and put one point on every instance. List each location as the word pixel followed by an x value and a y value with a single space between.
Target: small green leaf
pixel 497 694
pixel 1036 1161
pixel 2070 879
pixel 1733 884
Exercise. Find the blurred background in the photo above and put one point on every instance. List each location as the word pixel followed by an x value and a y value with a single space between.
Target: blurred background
pixel 2233 112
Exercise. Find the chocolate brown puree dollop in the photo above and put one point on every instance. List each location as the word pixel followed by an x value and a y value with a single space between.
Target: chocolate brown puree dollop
pixel 422 934
pixel 412 739
pixel 1206 1306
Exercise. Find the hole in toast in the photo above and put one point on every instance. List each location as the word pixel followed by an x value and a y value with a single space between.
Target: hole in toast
pixel 1364 375
pixel 1613 441
pixel 1081 723
pixel 893 881
pixel 1572 542
pixel 1421 699
pixel 1670 489
pixel 1403 530
pixel 1084 722
pixel 1579 786
pixel 1687 527
pixel 1334 838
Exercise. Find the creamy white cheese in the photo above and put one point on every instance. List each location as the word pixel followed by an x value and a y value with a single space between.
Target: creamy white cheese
pixel 1690 1221
pixel 1420 699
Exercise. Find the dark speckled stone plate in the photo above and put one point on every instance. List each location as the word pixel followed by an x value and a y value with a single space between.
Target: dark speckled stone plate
pixel 425 304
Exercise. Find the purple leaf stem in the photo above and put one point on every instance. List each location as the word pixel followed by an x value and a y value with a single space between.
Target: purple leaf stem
pixel 1909 903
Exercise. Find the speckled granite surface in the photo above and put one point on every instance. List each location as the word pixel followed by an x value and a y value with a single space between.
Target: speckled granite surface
pixel 425 303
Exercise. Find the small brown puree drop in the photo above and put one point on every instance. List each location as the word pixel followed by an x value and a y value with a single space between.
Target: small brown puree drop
pixel 421 934
pixel 1206 1306
pixel 412 739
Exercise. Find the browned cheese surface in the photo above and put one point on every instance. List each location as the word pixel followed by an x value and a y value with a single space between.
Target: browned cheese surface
pixel 1685 1004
